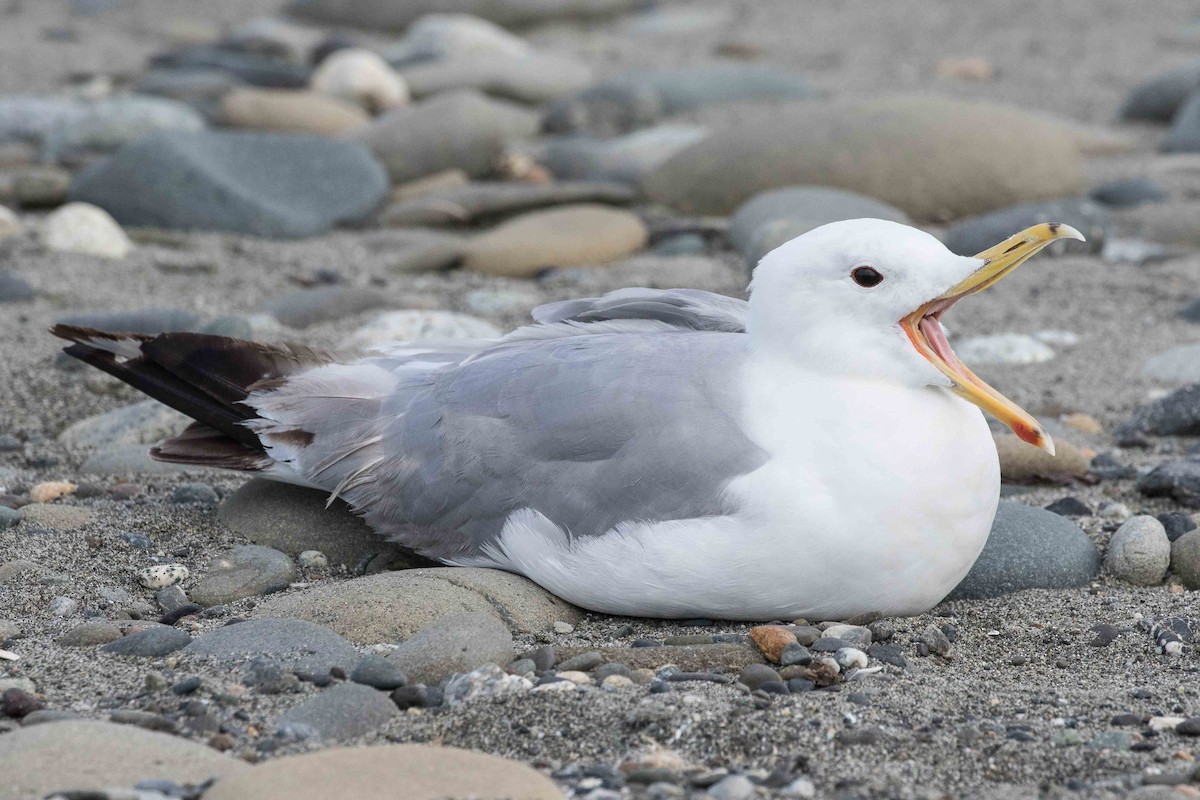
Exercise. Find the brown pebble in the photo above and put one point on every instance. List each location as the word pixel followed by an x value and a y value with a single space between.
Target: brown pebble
pixel 49 491
pixel 771 639
pixel 1083 422
pixel 18 703
pixel 222 742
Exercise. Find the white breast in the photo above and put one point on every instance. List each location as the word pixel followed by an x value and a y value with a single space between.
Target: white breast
pixel 876 497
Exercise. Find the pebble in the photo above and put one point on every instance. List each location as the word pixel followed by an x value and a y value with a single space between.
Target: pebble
pixel 252 68
pixel 888 654
pixel 362 77
pixel 1158 99
pixel 1184 133
pixel 63 606
pixel 935 639
pixel 154 642
pixel 734 787
pixel 262 184
pixel 1178 365
pixel 288 111
pixel 850 658
pixel 1177 479
pixel 419 696
pixel 456 130
pixel 1185 559
pixel 584 662
pixel 533 79
pixel 49 491
pixel 17 703
pixel 1176 523
pixel 481 201
pixel 560 237
pixel 343 712
pixel 1118 512
pixel 378 672
pixel 312 561
pixel 1069 507
pixel 1104 635
pixel 109 124
pixel 9 517
pixel 627 159
pixel 486 681
pixel 1139 552
pixel 1177 414
pixel 294 644
pixel 772 640
pixel 1030 548
pixel 966 167
pixel 30 118
pixel 162 575
pixel 244 571
pixel 195 494
pixel 436 37
pixel 755 675
pixel 419 325
pixel 456 643
pixel 141 423
pixel 855 635
pixel 84 229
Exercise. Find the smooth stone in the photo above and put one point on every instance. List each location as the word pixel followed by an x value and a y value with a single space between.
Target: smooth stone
pixel 1029 548
pixel 754 675
pixel 85 229
pixel 294 519
pixel 962 158
pixel 1185 559
pixel 1177 365
pixel 252 68
pixel 379 673
pixel 144 320
pixel 262 184
pixel 1129 193
pixel 128 460
pixel 464 205
pixel 10 517
pixel 1139 552
pixel 1176 523
pixel 195 494
pixel 244 571
pixel 14 288
pixel 108 125
pixel 342 712
pixel 1023 463
pixel 301 308
pixel 533 78
pixel 769 219
pixel 1158 99
pixel 977 234
pixel 453 643
pixel 85 755
pixel 418 325
pixel 394 606
pixel 425 772
pixel 627 158
pixel 429 251
pixel 1003 348
pixel 29 118
pixel 293 643
pixel 275 38
pixel 200 88
pixel 456 130
pixel 288 111
pixel 1177 479
pixel 142 423
pixel 559 237
pixel 1177 414
pixel 362 77
pixel 56 517
pixel 1070 507
pixel 387 15
pixel 89 634
pixel 35 186
pixel 154 642
pixel 436 37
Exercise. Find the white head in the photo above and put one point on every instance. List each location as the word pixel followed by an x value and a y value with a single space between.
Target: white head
pixel 863 298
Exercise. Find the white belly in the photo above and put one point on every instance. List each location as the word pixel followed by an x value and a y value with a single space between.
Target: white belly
pixel 875 498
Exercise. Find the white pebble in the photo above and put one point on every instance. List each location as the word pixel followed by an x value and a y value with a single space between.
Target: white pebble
pixel 8 655
pixel 563 627
pixel 556 686
pixel 85 229
pixel 614 682
pixel 1057 338
pixel 362 77
pixel 1114 511
pixel 850 658
pixel 1003 348
pixel 161 576
pixel 313 560
pixel 801 787
pixel 576 677
pixel 1161 724
pixel 63 606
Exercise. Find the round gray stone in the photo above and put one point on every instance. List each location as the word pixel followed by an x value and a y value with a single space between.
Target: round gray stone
pixel 139 424
pixel 154 642
pixel 1029 548
pixel 107 125
pixel 293 643
pixel 379 673
pixel 1139 551
pixel 1185 559
pixel 244 571
pixel 342 712
pixel 455 643
pixel 90 634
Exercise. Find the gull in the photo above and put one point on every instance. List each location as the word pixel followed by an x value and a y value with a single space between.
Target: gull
pixel 817 451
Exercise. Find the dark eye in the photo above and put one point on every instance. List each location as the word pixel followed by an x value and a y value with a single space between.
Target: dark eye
pixel 866 277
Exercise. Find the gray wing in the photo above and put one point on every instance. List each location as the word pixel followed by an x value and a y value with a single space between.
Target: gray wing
pixel 590 430
pixel 689 309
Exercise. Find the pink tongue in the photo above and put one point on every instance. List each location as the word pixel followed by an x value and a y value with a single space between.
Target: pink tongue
pixel 936 335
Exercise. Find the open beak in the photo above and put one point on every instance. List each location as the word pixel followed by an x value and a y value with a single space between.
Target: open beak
pixel 924 328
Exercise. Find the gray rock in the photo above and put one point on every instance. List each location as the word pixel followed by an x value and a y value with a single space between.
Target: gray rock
pixel 755 675
pixel 378 673
pixel 1178 365
pixel 1177 479
pixel 1129 193
pixel 195 493
pixel 388 15
pixel 436 37
pixel 777 216
pixel 200 88
pixel 732 787
pixel 269 677
pixel 1177 414
pixel 29 118
pixel 1029 548
pixel 462 130
pixel 304 307
pixel 252 68
pixel 154 642
pixel 961 158
pixel 141 424
pixel 294 643
pixel 1184 135
pixel 394 606
pixel 9 517
pixel 107 125
pixel 244 571
pixel 1185 559
pixel 1139 552
pixel 145 320
pixel 342 712
pixel 530 78
pixel 1159 98
pixel 262 184
pixel 130 459
pixel 90 634
pixel 465 205
pixel 14 288
pixel 627 158
pixel 487 681
pixel 454 643
pixel 294 519
pixel 977 234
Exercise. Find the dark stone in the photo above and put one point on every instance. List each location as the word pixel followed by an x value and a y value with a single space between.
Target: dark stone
pixel 379 673
pixel 1106 467
pixel 1104 635
pixel 1030 548
pixel 773 687
pixel 888 654
pixel 254 69
pixel 799 685
pixel 179 612
pixel 186 686
pixel 1177 414
pixel 268 677
pixel 829 644
pixel 604 670
pixel 1159 98
pixel 419 696
pixel 1176 479
pixel 977 234
pixel 195 493
pixel 1176 523
pixel 153 642
pixel 543 658
pixel 1129 193
pixel 1069 507
pixel 754 675
pixel 263 184
pixel 14 288
pixel 18 703
pixel 139 540
pixel 1189 727
pixel 1128 720
pixel 794 653
pixel 584 662
pixel 1184 135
